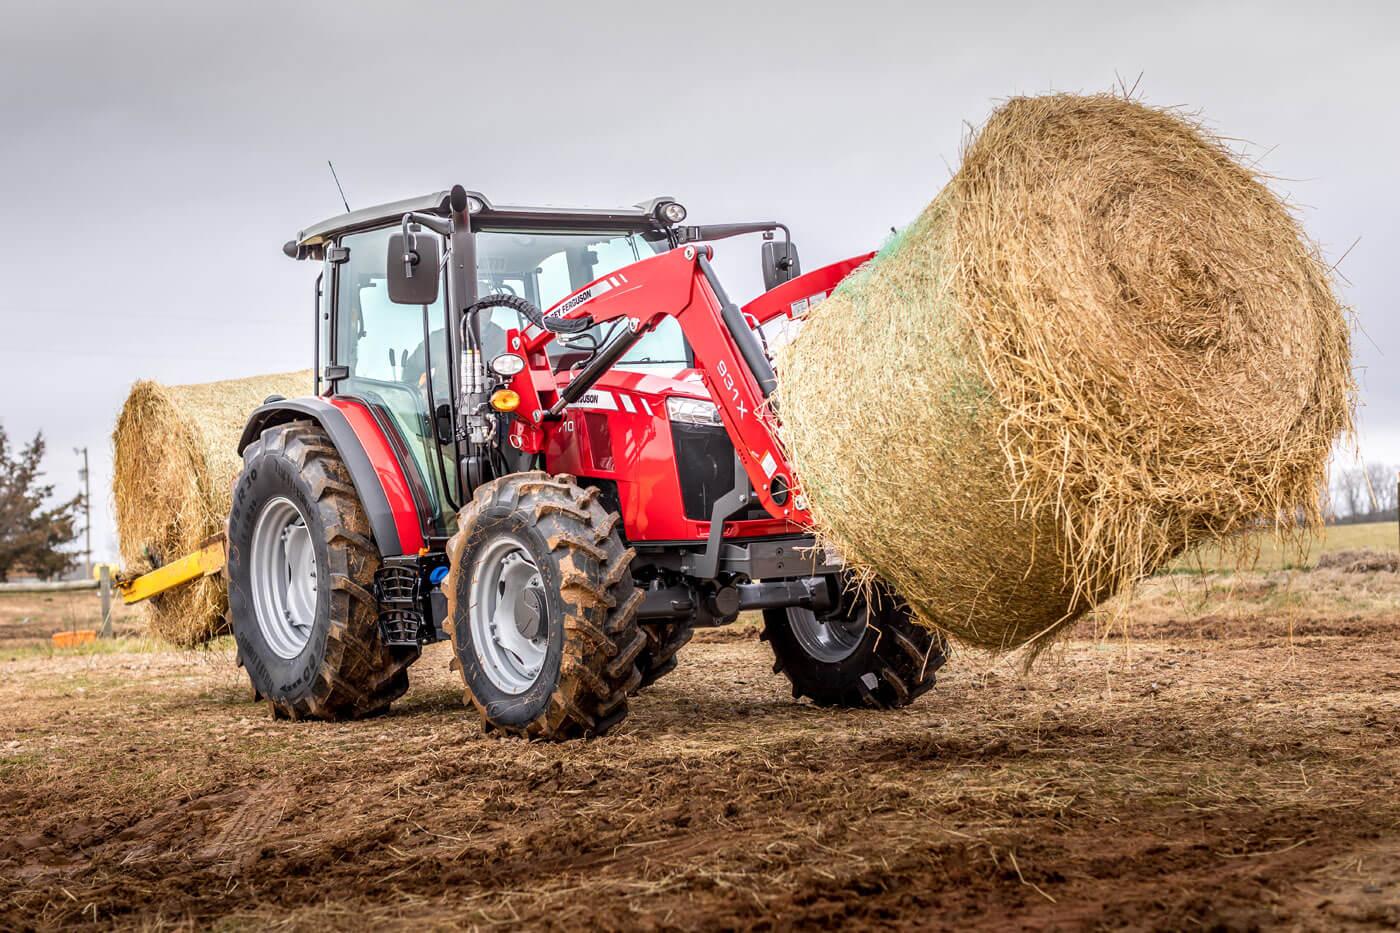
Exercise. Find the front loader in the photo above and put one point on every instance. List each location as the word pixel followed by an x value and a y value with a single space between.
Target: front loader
pixel 548 435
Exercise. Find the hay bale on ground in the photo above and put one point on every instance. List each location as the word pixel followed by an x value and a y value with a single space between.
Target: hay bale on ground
pixel 1105 341
pixel 174 466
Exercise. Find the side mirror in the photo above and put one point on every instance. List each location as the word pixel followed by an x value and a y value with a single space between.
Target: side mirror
pixel 780 263
pixel 413 271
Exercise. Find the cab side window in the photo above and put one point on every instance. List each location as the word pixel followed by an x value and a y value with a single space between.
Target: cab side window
pixel 376 339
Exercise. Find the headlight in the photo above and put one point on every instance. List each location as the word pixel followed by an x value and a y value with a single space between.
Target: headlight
pixel 507 364
pixel 692 411
pixel 670 212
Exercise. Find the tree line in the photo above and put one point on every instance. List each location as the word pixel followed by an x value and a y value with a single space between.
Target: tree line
pixel 1363 494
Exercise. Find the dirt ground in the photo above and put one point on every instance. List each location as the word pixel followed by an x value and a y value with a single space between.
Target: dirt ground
pixel 1235 765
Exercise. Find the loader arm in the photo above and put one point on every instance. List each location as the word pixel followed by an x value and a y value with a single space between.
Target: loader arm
pixel 678 284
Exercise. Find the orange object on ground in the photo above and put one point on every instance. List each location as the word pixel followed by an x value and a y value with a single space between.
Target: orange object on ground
pixel 69 639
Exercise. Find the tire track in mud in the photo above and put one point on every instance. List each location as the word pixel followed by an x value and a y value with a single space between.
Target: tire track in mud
pixel 238 842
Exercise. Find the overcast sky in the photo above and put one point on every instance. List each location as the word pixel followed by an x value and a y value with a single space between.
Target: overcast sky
pixel 155 156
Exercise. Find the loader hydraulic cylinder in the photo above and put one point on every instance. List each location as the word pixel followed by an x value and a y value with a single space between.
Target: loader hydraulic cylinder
pixel 590 374
pixel 744 337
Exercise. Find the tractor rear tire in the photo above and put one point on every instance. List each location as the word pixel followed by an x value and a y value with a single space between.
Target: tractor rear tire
pixel 865 652
pixel 542 608
pixel 301 565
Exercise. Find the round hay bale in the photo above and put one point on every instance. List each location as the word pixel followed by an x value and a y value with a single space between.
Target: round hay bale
pixel 174 465
pixel 1103 342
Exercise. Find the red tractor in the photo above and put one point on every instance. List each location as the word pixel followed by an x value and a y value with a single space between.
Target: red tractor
pixel 547 435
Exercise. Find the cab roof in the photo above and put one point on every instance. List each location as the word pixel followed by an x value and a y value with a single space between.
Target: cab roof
pixel 637 217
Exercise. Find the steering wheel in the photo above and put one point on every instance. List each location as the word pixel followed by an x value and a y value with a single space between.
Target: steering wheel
pixel 497 288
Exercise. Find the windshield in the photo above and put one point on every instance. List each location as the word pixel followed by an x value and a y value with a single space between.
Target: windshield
pixel 545 267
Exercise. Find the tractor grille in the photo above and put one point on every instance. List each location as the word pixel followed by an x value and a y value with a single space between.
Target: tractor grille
pixel 705 464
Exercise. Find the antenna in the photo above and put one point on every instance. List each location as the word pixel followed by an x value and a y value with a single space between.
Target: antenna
pixel 338 188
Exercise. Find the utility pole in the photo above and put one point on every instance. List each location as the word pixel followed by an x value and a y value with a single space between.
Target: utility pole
pixel 86 477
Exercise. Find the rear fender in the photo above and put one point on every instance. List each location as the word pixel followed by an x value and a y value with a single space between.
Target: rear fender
pixel 379 479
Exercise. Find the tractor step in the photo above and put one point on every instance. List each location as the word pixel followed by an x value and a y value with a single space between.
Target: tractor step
pixel 405 603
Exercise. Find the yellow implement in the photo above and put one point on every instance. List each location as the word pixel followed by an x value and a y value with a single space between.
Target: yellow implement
pixel 204 562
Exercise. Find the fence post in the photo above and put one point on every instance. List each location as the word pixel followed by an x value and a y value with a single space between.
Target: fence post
pixel 104 579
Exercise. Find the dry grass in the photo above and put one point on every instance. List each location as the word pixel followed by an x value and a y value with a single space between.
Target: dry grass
pixel 1251 605
pixel 174 467
pixel 1268 552
pixel 1110 342
pixel 1185 781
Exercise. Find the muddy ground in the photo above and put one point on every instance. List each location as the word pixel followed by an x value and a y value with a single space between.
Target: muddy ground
pixel 1236 765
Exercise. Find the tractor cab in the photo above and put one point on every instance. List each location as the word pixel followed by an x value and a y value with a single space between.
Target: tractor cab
pixel 402 360
pixel 405 361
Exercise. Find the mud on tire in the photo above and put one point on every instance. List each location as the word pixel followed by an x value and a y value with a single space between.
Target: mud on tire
pixel 344 670
pixel 888 664
pixel 588 635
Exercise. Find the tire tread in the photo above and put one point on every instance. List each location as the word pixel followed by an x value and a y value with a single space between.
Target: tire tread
pixel 359 675
pixel 602 639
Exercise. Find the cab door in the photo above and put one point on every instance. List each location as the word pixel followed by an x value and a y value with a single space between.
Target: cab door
pixel 396 360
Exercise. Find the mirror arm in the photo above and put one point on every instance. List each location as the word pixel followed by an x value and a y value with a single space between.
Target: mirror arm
pixel 410 242
pixel 410 249
pixel 439 225
pixel 723 231
pixel 786 262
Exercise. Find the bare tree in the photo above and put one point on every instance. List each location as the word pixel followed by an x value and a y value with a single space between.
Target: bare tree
pixel 1381 479
pixel 1362 493
pixel 1350 499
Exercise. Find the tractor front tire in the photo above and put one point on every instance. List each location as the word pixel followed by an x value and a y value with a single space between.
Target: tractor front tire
pixel 865 652
pixel 301 565
pixel 542 609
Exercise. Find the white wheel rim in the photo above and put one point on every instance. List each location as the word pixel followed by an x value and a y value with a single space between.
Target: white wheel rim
pixel 831 639
pixel 283 578
pixel 508 617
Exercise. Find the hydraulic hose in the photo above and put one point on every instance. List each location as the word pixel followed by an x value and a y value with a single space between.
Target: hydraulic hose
pixel 532 314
